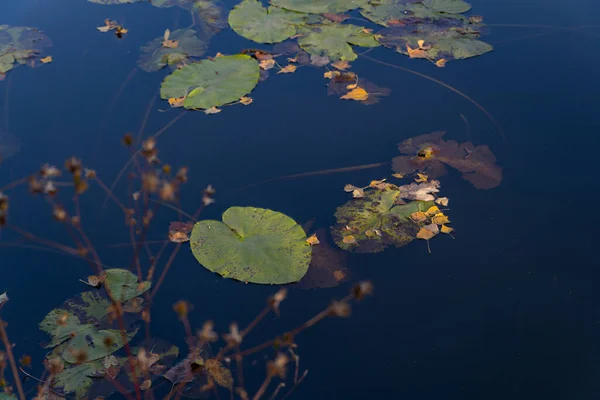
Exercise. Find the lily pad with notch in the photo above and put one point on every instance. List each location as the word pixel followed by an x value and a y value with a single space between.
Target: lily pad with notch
pixel 334 40
pixel 156 56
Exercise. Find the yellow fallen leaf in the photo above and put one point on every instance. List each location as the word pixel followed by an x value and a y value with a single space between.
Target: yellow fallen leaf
pixel 294 59
pixel 266 64
pixel 212 110
pixel 358 94
pixel 219 54
pixel 431 211
pixel 339 64
pixel 442 201
pixel 313 240
pixel 119 30
pixel 421 178
pixel 358 193
pixel 399 176
pixel 422 46
pixel 349 239
pixel 352 86
pixel 446 229
pixel 146 384
pixel 170 44
pixel 288 69
pixel 246 100
pixel 375 183
pixel 178 237
pixel 166 34
pixel 331 74
pixel 440 219
pixel 176 101
pixel 46 60
pixel 416 53
pixel 425 234
pixel 418 216
pixel 441 63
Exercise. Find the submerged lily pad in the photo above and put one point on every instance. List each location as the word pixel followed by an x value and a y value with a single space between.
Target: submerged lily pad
pixel 333 41
pixel 95 344
pixel 376 221
pixel 255 22
pixel 212 83
pixel 124 285
pixel 320 6
pixel 20 45
pixel 77 378
pixel 252 245
pixel 156 56
pixel 389 12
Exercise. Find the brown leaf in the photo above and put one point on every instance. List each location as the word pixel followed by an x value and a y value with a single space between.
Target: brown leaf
pixel 336 17
pixel 342 65
pixel 171 44
pixel 421 178
pixel 179 231
pixel 146 384
pixel 313 240
pixel 427 232
pixel 246 100
pixel 416 53
pixel 358 193
pixel 331 74
pixel 46 60
pixel 212 110
pixel 266 64
pixel 442 201
pixel 176 101
pixel 220 374
pixel 350 188
pixel 288 69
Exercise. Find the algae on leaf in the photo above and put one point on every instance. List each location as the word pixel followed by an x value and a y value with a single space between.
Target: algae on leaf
pixel 155 55
pixel 252 245
pixel 255 22
pixel 333 41
pixel 320 6
pixel 213 82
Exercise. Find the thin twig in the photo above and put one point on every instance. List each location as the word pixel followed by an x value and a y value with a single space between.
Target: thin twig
pixel 11 359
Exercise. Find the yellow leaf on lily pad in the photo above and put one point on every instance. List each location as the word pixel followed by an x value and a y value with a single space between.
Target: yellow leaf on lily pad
pixel 421 178
pixel 446 229
pixel 212 110
pixel 431 211
pixel 358 94
pixel 246 100
pixel 313 240
pixel 349 239
pixel 176 101
pixel 440 219
pixel 288 69
pixel 425 233
pixel 341 64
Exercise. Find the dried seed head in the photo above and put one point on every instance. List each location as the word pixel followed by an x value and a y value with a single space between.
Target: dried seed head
pixel 55 366
pixel 89 173
pixel 207 334
pixel 233 337
pixel 149 150
pixel 166 169
pixel 59 213
pixel 80 185
pixel 3 202
pixel 73 165
pixel 362 289
pixel 150 182
pixel 182 175
pixel 148 215
pixel 210 190
pixel 35 186
pixel 167 192
pixel 128 140
pixel 340 309
pixel 49 171
pixel 50 189
pixel 182 308
pixel 207 200
pixel 136 196
pixel 275 300
pixel 278 366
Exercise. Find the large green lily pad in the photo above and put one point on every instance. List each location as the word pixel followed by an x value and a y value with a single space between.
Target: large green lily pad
pixel 20 45
pixel 155 56
pixel 320 6
pixel 252 245
pixel 333 41
pixel 388 12
pixel 124 285
pixel 376 221
pixel 212 83
pixel 255 22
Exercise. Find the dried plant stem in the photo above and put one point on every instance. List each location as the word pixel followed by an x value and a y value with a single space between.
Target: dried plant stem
pixel 111 195
pixel 122 88
pixel 263 387
pixel 172 207
pixel 289 393
pixel 49 243
pixel 146 117
pixel 447 86
pixel 256 320
pixel 276 392
pixel 165 270
pixel 120 388
pixel 321 172
pixel 11 359
pixel 14 184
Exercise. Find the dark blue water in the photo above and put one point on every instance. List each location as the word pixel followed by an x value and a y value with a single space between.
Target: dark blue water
pixel 510 309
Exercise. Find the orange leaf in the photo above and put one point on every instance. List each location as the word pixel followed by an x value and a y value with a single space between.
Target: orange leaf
pixel 358 94
pixel 176 101
pixel 416 53
pixel 246 100
pixel 446 229
pixel 441 63
pixel 212 110
pixel 339 64
pixel 349 239
pixel 288 69
pixel 421 178
pixel 266 64
pixel 313 240
pixel 46 60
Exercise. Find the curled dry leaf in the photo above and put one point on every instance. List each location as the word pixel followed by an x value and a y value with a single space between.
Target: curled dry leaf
pixel 312 240
pixel 421 178
pixel 212 110
pixel 442 201
pixel 441 63
pixel 266 64
pixel 341 64
pixel 146 384
pixel 419 191
pixel 246 100
pixel 358 193
pixel 46 60
pixel 176 101
pixel 350 188
pixel 288 69
pixel 179 231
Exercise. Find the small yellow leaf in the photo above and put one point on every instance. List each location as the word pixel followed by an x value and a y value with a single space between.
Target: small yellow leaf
pixel 349 239
pixel 399 176
pixel 170 44
pixel 121 31
pixel 288 69
pixel 442 201
pixel 246 100
pixel 292 60
pixel 375 183
pixel 46 60
pixel 219 54
pixel 146 384
pixel 418 216
pixel 446 229
pixel 340 64
pixel 266 64
pixel 358 193
pixel 425 234
pixel 415 53
pixel 313 240
pixel 331 74
pixel 431 211
pixel 176 101
pixel 422 46
pixel 441 63
pixel 421 178
pixel 352 86
pixel 440 219
pixel 358 94
pixel 212 110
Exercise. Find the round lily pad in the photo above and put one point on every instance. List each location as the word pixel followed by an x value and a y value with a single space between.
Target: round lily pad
pixel 20 45
pixel 333 41
pixel 124 285
pixel 213 82
pixel 255 22
pixel 374 222
pixel 320 6
pixel 156 56
pixel 252 245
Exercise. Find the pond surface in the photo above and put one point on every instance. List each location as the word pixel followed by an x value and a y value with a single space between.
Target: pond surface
pixel 508 309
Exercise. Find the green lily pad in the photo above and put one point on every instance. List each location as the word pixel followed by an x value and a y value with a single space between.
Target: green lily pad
pixel 112 2
pixel 155 56
pixel 95 344
pixel 124 285
pixel 212 83
pixel 20 45
pixel 255 22
pixel 7 396
pixel 374 222
pixel 448 6
pixel 77 378
pixel 386 12
pixel 252 245
pixel 333 41
pixel 320 6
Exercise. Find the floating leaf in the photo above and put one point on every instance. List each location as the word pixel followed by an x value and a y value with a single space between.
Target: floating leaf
pixel 390 12
pixel 333 41
pixel 77 378
pixel 421 178
pixel 255 22
pixel 266 64
pixel 20 45
pixel 376 211
pixel 123 284
pixel 46 60
pixel 342 65
pixel 212 83
pixel 320 6
pixel 430 153
pixel 427 232
pixel 179 231
pixel 446 229
pixel 419 191
pixel 93 343
pixel 252 245
pixel 246 100
pixel 339 86
pixel 155 55
pixel 358 94
pixel 313 240
pixel 288 69
pixel 442 201
pixel 212 110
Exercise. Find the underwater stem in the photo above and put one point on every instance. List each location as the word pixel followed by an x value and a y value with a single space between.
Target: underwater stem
pixel 11 359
